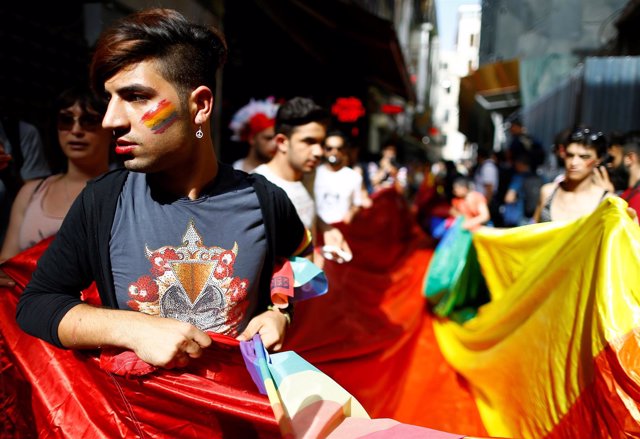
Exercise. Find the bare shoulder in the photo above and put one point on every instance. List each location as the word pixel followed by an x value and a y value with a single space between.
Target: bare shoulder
pixel 547 189
pixel 27 190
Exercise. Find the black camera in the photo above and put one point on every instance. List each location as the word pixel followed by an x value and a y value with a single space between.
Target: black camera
pixel 606 160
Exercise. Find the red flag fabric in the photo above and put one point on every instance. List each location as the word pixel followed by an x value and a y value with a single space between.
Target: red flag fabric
pixel 55 393
pixel 370 333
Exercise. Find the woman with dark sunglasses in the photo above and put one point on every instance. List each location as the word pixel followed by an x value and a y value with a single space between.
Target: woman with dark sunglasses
pixel 41 205
pixel 579 192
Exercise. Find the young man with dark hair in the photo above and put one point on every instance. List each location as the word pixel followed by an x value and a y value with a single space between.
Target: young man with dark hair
pixel 177 243
pixel 301 129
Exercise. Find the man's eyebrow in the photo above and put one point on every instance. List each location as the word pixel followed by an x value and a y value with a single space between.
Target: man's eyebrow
pixel 312 139
pixel 135 88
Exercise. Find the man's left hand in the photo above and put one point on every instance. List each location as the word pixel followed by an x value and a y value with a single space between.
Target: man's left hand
pixel 334 239
pixel 271 325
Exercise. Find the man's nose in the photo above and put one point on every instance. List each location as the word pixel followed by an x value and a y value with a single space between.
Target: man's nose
pixel 114 116
pixel 317 151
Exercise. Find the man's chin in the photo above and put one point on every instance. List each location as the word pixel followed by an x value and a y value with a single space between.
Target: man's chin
pixel 136 166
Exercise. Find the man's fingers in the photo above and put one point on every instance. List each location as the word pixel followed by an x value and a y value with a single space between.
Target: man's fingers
pixel 182 361
pixel 251 330
pixel 270 340
pixel 193 350
pixel 202 339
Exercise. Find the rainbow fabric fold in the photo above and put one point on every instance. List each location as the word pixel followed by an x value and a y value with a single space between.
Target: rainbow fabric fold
pixel 555 354
pixel 308 404
pixel 297 279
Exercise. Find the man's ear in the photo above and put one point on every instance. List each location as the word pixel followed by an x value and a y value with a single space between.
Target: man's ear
pixel 201 102
pixel 282 142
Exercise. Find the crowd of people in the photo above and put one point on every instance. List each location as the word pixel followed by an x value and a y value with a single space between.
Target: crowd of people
pixel 525 185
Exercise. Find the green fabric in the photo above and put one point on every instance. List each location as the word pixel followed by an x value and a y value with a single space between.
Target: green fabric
pixel 454 285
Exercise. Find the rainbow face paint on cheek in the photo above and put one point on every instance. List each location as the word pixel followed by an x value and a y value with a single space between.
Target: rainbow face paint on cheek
pixel 161 117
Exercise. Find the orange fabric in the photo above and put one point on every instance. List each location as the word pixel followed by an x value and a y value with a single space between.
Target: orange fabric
pixel 612 387
pixel 371 332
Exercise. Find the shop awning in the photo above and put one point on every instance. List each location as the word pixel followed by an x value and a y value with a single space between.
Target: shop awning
pixel 343 35
pixel 493 87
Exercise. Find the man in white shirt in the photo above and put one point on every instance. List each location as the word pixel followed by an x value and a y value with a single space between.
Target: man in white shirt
pixel 301 129
pixel 337 187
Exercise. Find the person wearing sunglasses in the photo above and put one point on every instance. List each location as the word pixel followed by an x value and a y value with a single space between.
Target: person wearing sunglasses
pixel 579 192
pixel 41 205
pixel 337 187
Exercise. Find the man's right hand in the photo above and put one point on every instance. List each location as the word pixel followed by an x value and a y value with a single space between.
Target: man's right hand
pixel 159 341
pixel 168 343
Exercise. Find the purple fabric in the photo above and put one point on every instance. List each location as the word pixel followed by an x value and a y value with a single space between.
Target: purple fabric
pixel 248 350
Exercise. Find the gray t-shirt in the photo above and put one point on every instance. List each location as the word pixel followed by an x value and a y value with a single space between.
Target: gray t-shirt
pixel 197 261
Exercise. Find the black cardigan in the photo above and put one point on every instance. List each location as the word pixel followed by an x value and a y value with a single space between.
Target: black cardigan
pixel 80 252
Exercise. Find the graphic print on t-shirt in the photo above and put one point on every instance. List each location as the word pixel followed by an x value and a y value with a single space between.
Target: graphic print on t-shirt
pixel 192 283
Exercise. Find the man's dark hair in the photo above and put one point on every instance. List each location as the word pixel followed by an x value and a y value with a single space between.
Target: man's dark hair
pixel 188 54
pixel 461 180
pixel 632 146
pixel 632 137
pixel 299 111
pixel 590 138
pixel 616 138
pixel 342 135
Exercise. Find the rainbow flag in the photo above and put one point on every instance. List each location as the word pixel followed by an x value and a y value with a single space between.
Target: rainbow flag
pixel 308 404
pixel 556 352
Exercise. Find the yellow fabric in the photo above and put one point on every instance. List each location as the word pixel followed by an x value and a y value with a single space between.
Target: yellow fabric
pixel 560 292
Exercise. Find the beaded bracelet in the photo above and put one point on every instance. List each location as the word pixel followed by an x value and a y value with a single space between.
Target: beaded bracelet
pixel 281 311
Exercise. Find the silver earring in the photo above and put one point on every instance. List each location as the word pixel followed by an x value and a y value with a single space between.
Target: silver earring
pixel 199 133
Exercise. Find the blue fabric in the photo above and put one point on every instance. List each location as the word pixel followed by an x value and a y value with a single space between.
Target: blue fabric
pixel 514 212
